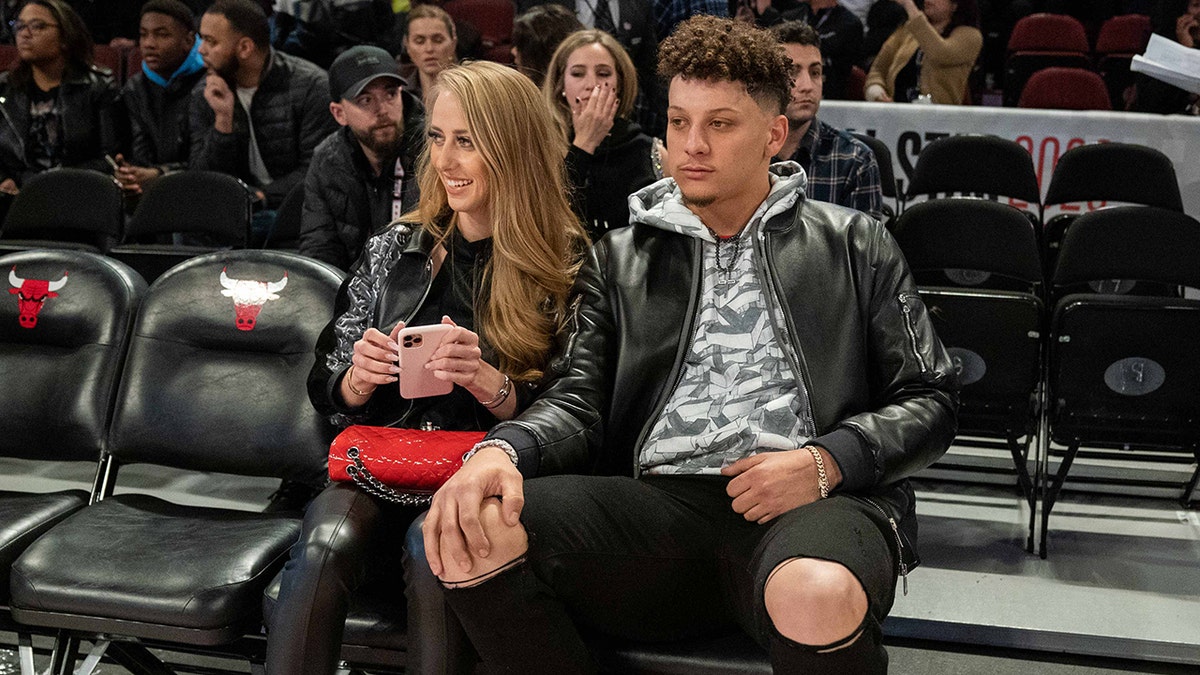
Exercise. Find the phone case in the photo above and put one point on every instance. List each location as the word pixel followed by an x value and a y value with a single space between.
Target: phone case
pixel 417 344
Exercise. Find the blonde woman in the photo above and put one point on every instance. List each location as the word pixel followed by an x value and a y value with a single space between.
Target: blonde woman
pixel 591 85
pixel 492 249
pixel 431 42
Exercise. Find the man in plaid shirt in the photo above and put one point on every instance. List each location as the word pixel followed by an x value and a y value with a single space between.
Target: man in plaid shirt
pixel 841 169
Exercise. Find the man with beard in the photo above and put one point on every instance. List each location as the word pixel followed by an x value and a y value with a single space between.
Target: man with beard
pixel 363 175
pixel 258 114
pixel 841 169
pixel 157 98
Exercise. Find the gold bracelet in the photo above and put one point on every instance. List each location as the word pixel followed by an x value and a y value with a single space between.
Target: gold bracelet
pixel 501 395
pixel 350 384
pixel 822 478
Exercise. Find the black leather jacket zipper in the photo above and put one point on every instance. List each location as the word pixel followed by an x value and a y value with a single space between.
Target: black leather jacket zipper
pixel 685 343
pixel 773 294
pixel 912 330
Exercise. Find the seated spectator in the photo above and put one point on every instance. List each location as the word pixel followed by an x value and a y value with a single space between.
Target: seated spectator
pixel 841 35
pixel 840 168
pixel 431 41
pixel 363 176
pixel 631 22
pixel 591 87
pixel 883 18
pixel 259 113
pixel 58 108
pixel 491 249
pixel 157 99
pixel 930 57
pixel 536 34
pixel 757 378
pixel 1177 20
pixel 319 30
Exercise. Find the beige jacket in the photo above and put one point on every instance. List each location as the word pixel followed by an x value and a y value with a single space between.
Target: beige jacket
pixel 946 66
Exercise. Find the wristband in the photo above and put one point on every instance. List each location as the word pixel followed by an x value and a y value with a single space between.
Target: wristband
pixel 822 478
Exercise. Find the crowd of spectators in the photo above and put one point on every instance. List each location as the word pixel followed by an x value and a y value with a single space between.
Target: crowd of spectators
pixel 239 86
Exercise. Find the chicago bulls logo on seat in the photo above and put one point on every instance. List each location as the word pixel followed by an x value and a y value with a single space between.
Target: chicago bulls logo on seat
pixel 249 296
pixel 32 295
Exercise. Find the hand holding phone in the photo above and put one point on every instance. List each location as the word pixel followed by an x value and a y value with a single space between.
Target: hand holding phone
pixel 416 346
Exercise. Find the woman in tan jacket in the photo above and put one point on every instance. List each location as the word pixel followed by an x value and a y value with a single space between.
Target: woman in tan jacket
pixel 931 54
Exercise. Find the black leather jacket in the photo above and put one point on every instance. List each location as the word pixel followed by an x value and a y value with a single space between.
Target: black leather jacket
pixel 388 284
pixel 882 389
pixel 88 103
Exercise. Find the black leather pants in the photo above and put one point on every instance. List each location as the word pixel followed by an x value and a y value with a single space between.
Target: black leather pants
pixel 342 539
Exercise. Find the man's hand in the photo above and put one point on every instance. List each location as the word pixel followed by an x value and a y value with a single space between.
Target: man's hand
pixel 770 484
pixel 9 187
pixel 452 527
pixel 134 178
pixel 221 99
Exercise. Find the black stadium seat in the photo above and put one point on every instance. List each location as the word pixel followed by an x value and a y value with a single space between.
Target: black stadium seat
pixel 64 208
pixel 953 165
pixel 214 381
pixel 65 319
pixel 986 305
pixel 206 209
pixel 1123 369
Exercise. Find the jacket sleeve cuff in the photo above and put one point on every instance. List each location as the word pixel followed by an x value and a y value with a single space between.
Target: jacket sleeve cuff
pixel 526 445
pixel 854 459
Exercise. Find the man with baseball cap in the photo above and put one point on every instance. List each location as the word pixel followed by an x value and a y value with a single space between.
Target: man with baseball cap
pixel 363 176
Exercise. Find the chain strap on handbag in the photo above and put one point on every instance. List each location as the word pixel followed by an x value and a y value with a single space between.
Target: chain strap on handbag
pixel 372 485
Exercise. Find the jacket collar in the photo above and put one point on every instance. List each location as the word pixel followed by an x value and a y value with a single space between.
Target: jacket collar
pixel 660 204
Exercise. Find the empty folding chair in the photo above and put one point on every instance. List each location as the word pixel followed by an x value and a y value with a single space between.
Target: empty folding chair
pixel 215 381
pixel 64 208
pixel 887 176
pixel 1123 369
pixel 1039 41
pixel 182 215
pixel 63 329
pixel 971 164
pixel 1061 88
pixel 1121 37
pixel 1121 173
pixel 985 301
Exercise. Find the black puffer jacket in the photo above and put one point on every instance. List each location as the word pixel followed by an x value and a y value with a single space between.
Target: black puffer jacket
pixel 345 202
pixel 884 392
pixel 89 104
pixel 158 120
pixel 290 114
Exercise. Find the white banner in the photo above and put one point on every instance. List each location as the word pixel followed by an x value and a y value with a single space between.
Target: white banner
pixel 1046 134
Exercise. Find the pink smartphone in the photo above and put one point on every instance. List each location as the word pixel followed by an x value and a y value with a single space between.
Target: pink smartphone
pixel 417 345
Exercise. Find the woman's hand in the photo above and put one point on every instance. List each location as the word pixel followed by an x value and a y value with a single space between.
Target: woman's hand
pixel 593 119
pixel 1185 30
pixel 373 364
pixel 910 7
pixel 459 360
pixel 9 187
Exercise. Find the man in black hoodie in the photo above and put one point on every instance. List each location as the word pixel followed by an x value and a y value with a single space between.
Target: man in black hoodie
pixel 157 98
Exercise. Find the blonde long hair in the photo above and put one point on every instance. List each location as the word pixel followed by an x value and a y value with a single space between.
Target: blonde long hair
pixel 536 237
pixel 552 87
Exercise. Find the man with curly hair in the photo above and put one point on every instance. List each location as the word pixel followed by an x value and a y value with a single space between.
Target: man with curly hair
pixel 754 377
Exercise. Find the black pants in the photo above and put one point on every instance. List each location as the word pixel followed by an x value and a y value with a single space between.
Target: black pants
pixel 350 540
pixel 667 558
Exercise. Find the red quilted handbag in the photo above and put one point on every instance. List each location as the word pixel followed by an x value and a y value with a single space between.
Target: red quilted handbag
pixel 405 466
